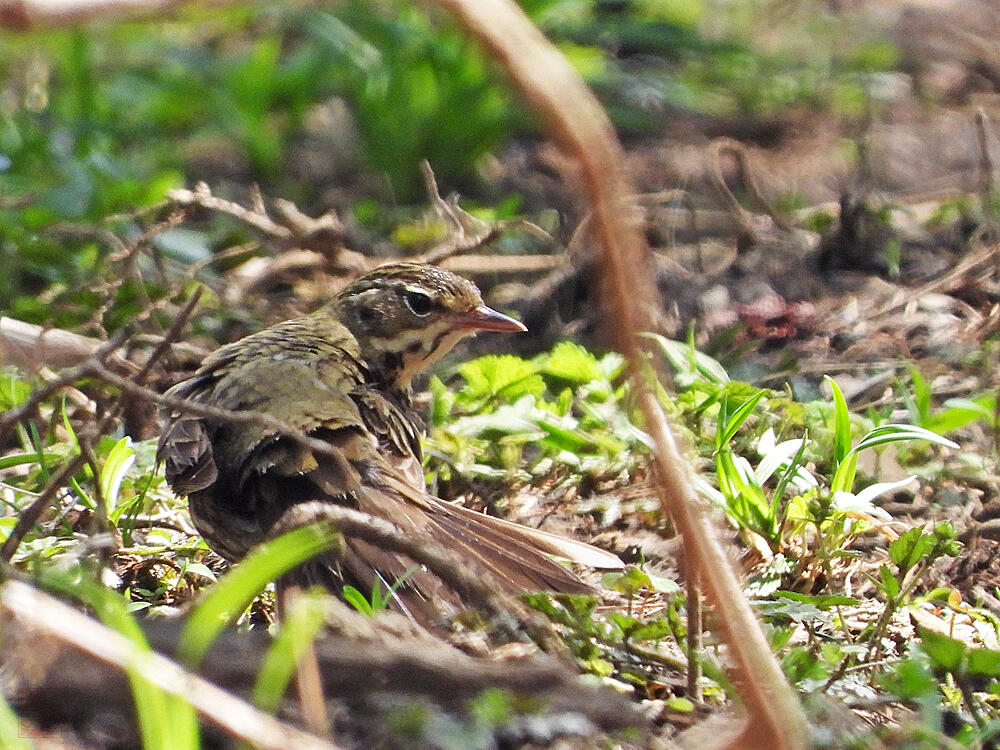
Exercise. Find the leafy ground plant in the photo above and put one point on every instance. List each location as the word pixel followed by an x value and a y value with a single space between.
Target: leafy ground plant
pixel 563 420
pixel 561 414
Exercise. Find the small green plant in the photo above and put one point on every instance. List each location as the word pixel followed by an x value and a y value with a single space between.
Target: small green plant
pixel 627 645
pixel 165 721
pixel 380 599
pixel 514 419
pixel 941 674
pixel 911 555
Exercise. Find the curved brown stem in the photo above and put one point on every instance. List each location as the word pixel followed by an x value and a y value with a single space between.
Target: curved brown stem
pixel 580 126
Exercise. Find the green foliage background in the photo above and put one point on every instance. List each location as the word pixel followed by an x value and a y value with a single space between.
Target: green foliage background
pixel 335 107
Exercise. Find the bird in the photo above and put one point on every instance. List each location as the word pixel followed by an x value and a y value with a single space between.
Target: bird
pixel 342 376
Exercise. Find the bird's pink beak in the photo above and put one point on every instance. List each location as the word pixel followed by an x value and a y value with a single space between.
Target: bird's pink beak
pixel 485 318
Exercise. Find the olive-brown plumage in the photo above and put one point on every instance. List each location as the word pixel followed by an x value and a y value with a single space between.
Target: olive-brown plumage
pixel 342 376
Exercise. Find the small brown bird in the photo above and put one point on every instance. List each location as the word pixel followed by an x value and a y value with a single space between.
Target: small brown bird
pixel 342 376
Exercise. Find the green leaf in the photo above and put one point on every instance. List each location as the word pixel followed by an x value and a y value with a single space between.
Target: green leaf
pixel 7 524
pixel 689 363
pixel 891 433
pixel 843 477
pixel 733 422
pixel 19 459
pixel 69 426
pixel 662 584
pixel 746 502
pixel 569 361
pixel 888 582
pixel 958 412
pixel 944 652
pixel 629 582
pixel 911 679
pixel 200 569
pixel 655 630
pixel 822 601
pixel 233 593
pixel 357 600
pixel 793 610
pixel 13 391
pixel 841 426
pixel 910 548
pixel 983 662
pixel 500 375
pixel 920 404
pixel 116 466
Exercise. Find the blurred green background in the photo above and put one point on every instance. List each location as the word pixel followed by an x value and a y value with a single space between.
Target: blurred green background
pixel 335 105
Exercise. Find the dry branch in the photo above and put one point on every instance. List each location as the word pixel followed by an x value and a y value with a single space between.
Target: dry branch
pixel 369 667
pixel 23 15
pixel 40 613
pixel 32 346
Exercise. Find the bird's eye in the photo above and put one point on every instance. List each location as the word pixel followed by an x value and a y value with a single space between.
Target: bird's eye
pixel 419 303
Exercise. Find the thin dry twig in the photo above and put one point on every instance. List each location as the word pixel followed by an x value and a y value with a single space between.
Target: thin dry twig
pixel 41 613
pixel 202 196
pixel 168 338
pixel 746 219
pixel 465 232
pixel 308 680
pixel 985 160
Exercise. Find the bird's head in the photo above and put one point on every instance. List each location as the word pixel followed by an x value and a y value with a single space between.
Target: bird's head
pixel 406 316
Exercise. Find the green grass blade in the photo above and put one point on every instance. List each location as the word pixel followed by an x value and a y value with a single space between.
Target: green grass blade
pixel 18 459
pixel 689 362
pixel 920 403
pixel 843 477
pixel 301 623
pixel 166 722
pixel 738 417
pixel 841 423
pixel 958 412
pixel 73 440
pixel 234 592
pixel 357 600
pixel 116 466
pixel 892 433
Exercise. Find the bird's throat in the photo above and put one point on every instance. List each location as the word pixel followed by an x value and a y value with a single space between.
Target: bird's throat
pixel 406 355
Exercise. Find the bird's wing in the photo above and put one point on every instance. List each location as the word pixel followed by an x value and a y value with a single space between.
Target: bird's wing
pixel 398 430
pixel 295 373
